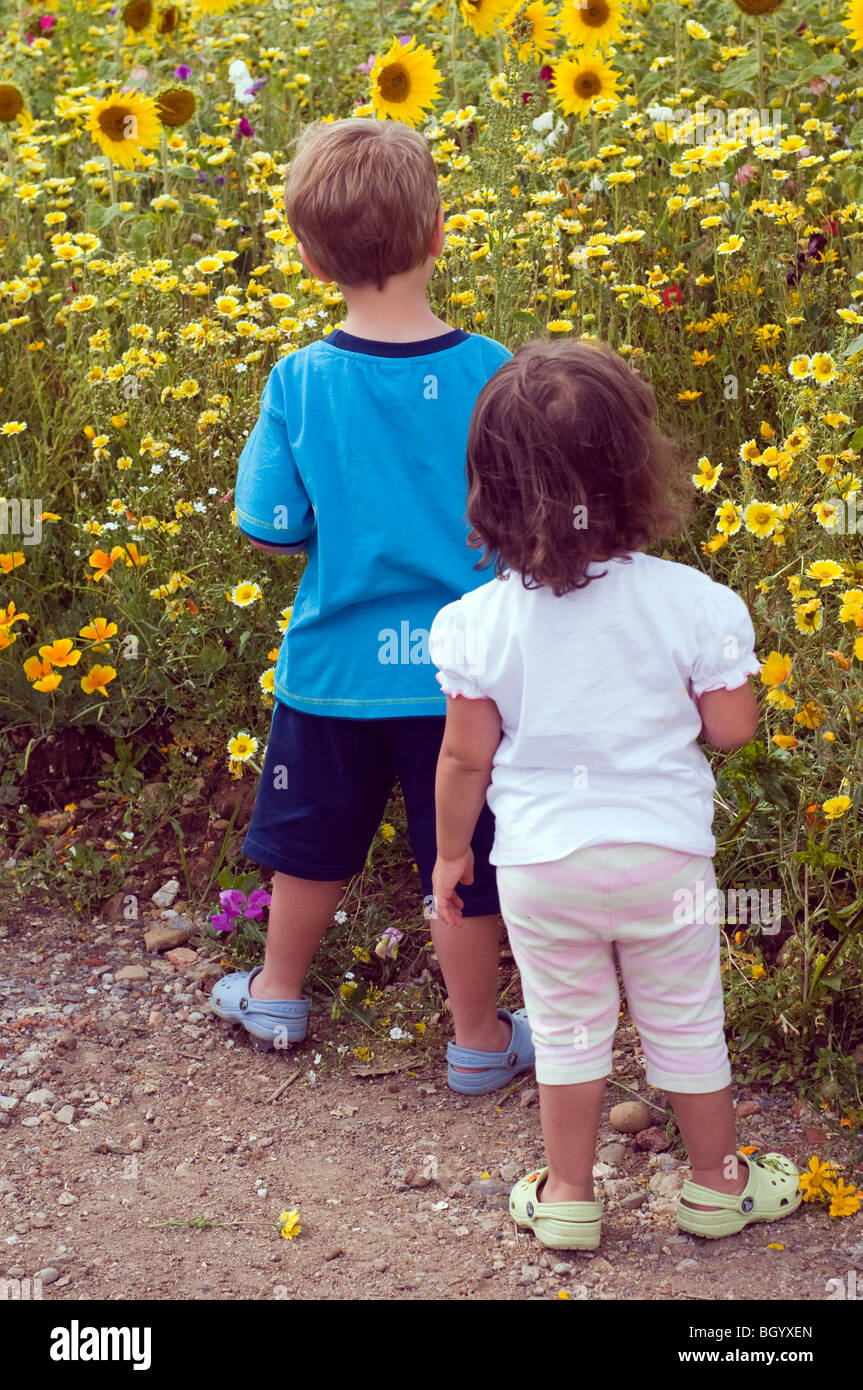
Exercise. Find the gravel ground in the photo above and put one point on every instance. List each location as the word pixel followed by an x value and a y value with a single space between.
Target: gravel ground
pixel 129 1116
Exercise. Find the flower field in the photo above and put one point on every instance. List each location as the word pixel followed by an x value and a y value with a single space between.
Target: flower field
pixel 685 182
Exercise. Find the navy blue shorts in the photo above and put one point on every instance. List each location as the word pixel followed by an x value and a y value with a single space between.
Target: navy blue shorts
pixel 325 784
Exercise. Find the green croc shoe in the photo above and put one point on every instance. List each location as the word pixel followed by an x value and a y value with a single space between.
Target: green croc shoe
pixel 559 1225
pixel 773 1191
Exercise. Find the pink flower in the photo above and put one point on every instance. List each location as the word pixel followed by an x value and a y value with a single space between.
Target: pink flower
pixel 745 173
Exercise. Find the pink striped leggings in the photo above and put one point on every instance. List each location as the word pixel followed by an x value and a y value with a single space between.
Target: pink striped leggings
pixel 566 922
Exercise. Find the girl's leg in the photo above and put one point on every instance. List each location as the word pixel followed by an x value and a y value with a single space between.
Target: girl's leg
pixel 469 957
pixel 570 1124
pixel 300 912
pixel 706 1123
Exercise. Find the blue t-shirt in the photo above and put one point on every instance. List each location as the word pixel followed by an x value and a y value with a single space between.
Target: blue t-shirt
pixel 358 456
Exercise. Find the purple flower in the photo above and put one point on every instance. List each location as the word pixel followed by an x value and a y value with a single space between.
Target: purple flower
pixel 243 129
pixel 219 180
pixel 256 86
pixel 182 72
pixel 221 922
pixel 233 901
pixel 202 177
pixel 47 21
pixel 257 900
pixel 388 946
pixel 367 67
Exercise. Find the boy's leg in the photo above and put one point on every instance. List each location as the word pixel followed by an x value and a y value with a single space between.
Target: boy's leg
pixel 300 912
pixel 469 956
pixel 321 795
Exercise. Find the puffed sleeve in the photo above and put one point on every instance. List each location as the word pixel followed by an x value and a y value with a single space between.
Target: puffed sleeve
pixel 271 501
pixel 457 649
pixel 725 642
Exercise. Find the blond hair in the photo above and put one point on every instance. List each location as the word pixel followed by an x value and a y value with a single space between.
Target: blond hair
pixel 362 197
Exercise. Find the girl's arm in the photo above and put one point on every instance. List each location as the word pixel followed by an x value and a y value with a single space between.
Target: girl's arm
pixel 729 718
pixel 470 741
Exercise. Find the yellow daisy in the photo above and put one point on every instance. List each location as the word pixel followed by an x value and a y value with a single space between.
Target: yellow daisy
pixel 591 23
pixel 581 81
pixel 760 518
pixel 823 368
pixel 123 125
pixel 835 807
pixel 405 82
pixel 484 15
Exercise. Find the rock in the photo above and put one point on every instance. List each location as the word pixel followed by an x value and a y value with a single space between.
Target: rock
pixel 31 1121
pixel 529 1097
pixel 489 1192
pixel 334 1254
pixel 744 1108
pixel 182 955
pixel 653 1139
pixel 164 896
pixel 4 1119
pixel 633 1201
pixel 486 1272
pixel 611 1153
pixel 8 1103
pixel 48 1275
pixel 39 1220
pixel 382 1266
pixel 154 1018
pixel 599 1267
pixel 667 1162
pixel 66 1199
pixel 415 1177
pixel 561 1268
pixel 53 821
pixel 65 1114
pixel 164 938
pixel 114 908
pixel 687 1264
pixel 668 1184
pixel 40 1097
pixel 629 1117
pixel 135 974
pixel 530 1274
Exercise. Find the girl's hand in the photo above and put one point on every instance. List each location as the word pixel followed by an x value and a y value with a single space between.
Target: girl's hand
pixel 446 874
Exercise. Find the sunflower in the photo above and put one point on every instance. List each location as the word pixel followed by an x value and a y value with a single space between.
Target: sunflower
pixel 405 82
pixel 175 106
pixel 854 22
pixel 124 124
pixel 12 106
pixel 137 14
pixel 168 20
pixel 214 6
pixel 534 30
pixel 484 15
pixel 591 23
pixel 759 7
pixel 578 82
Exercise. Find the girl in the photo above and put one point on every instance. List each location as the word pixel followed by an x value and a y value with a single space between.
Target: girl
pixel 579 681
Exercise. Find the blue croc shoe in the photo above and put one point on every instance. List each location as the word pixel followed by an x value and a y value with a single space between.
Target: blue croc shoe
pixel 498 1068
pixel 271 1022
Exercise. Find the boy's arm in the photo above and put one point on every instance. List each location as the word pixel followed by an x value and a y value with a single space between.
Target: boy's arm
pixel 464 766
pixel 273 508
pixel 297 549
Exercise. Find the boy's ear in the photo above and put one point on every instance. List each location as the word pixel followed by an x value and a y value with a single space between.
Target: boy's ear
pixel 438 236
pixel 312 266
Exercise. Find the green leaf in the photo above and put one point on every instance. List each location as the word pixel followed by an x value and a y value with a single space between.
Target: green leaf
pixel 855 346
pixel 524 316
pixel 855 134
pixel 740 74
pixel 98 216
pixel 857 439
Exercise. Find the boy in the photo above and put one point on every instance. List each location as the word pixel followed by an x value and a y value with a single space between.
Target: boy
pixel 358 458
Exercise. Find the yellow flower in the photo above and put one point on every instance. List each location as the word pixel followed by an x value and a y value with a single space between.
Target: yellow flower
pixel 559 326
pixel 12 106
pixel 123 125
pixel 289 1224
pixel 810 716
pixel 484 15
pixel 405 82
pixel 581 81
pixel 760 518
pixel 97 678
pixel 591 23
pixel 387 832
pixel 242 746
pixel 707 476
pixel 800 367
pixel 244 594
pixel 844 1199
pixel 727 248
pixel 836 807
pixel 823 368
pixel 786 741
pixel 729 519
pixel 854 23
pixel 825 571
pixel 808 617
pixel 11 561
pixel 776 669
pixel 534 30
pixel 812 1182
pixel 758 972
pixel 62 652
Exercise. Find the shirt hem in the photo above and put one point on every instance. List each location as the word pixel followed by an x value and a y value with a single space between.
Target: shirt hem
pixel 707 848
pixel 362 709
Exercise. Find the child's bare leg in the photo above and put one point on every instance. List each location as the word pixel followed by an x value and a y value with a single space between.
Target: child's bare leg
pixel 706 1123
pixel 570 1124
pixel 300 912
pixel 469 956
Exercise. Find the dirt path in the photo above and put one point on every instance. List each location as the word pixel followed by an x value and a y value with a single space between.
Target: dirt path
pixel 129 1112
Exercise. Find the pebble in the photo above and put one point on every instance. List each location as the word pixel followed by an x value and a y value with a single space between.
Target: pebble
pixel 634 1201
pixel 135 974
pixel 48 1275
pixel 164 938
pixel 529 1097
pixel 561 1268
pixel 65 1114
pixel 485 1273
pixel 599 1266
pixel 66 1199
pixel 629 1117
pixel 40 1097
pixel 8 1103
pixel 334 1254
pixel 182 955
pixel 612 1153
pixel 382 1266
pixel 687 1264
pixel 653 1139
pixel 164 896
pixel 530 1274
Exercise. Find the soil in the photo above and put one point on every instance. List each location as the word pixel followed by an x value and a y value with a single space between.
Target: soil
pixel 161 1159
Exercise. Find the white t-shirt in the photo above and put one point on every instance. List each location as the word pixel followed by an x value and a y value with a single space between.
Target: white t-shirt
pixel 595 692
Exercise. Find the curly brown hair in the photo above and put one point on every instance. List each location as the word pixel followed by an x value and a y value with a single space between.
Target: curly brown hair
pixel 566 466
